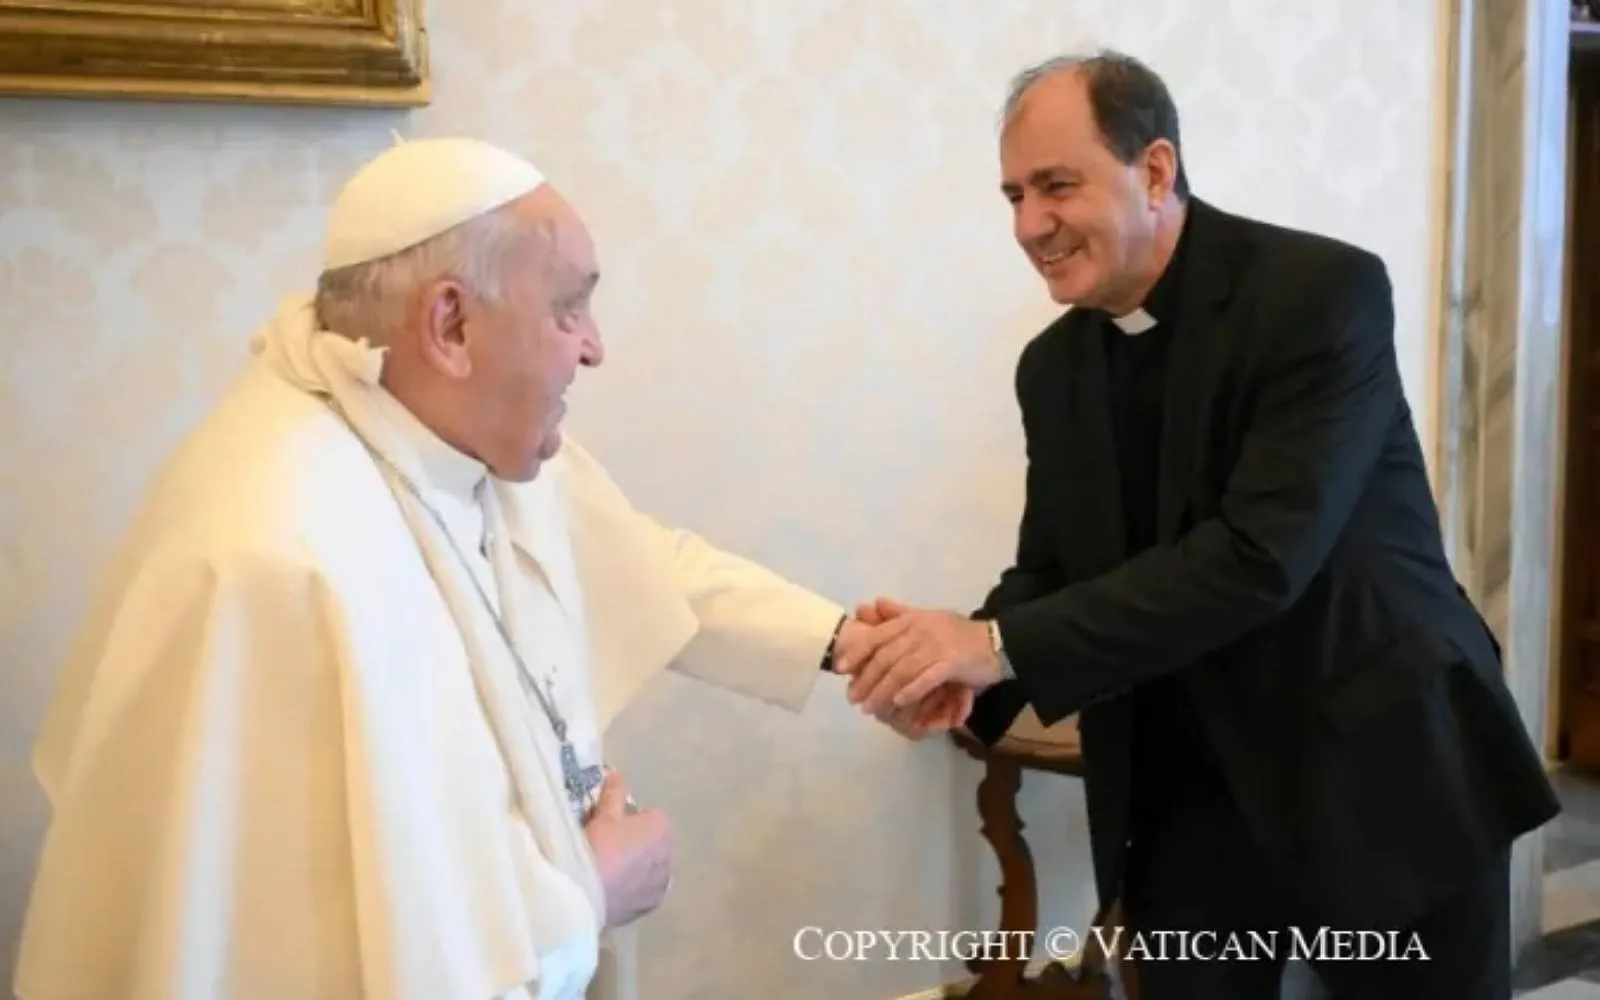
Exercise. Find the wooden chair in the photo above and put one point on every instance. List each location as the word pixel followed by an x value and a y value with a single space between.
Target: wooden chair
pixel 1030 746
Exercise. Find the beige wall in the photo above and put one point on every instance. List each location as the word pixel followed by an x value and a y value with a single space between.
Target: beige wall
pixel 813 309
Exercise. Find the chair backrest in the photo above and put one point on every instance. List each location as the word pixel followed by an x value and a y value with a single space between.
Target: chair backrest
pixel 1029 728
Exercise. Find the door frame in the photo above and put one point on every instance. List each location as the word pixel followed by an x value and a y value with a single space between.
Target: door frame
pixel 1572 708
pixel 1498 466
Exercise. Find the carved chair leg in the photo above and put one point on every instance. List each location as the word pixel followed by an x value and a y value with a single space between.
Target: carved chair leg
pixel 1019 902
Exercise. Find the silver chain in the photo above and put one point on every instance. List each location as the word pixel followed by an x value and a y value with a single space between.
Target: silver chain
pixel 572 776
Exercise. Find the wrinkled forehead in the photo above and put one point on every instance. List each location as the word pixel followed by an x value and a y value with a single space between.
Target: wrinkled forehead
pixel 573 250
pixel 567 246
pixel 1051 128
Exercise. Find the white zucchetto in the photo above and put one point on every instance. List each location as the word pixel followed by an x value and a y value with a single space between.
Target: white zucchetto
pixel 417 190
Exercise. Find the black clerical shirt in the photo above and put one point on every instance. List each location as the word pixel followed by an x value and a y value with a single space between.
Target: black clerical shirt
pixel 1173 763
pixel 1172 758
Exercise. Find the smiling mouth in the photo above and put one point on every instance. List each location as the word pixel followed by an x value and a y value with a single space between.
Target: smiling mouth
pixel 1049 260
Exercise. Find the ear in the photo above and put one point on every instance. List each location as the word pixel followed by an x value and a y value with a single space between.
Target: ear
pixel 1160 170
pixel 444 329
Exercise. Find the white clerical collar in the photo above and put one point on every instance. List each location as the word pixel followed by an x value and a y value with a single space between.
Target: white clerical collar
pixel 1134 323
pixel 443 467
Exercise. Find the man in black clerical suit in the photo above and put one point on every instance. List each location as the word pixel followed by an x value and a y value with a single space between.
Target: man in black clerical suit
pixel 1230 566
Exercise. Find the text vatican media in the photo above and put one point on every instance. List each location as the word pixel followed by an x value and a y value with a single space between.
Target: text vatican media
pixel 1326 944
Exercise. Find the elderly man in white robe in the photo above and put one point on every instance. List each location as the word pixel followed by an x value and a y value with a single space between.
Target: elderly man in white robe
pixel 333 728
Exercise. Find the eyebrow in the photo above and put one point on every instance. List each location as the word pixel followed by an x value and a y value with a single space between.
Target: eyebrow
pixel 1043 176
pixel 583 288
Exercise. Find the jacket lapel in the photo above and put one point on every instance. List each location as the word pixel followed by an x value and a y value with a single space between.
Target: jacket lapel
pixel 1093 473
pixel 1195 357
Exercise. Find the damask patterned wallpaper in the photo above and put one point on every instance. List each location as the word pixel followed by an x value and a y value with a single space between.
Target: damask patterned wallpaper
pixel 813 309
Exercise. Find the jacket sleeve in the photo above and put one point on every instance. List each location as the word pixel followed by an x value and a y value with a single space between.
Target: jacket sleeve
pixel 1033 573
pixel 674 601
pixel 759 633
pixel 1328 396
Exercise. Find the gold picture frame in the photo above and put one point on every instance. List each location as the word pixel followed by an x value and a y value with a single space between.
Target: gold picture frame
pixel 333 52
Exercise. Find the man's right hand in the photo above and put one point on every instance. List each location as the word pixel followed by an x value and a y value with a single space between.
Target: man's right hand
pixel 946 708
pixel 633 852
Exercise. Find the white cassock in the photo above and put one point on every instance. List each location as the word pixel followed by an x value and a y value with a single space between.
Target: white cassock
pixel 292 755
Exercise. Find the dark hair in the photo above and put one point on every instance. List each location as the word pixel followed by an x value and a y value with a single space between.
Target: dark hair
pixel 1131 103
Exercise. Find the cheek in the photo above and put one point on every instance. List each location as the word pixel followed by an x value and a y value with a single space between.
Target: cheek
pixel 1106 243
pixel 1086 219
pixel 550 370
pixel 522 383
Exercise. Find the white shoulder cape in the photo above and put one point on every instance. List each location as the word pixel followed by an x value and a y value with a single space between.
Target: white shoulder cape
pixel 269 771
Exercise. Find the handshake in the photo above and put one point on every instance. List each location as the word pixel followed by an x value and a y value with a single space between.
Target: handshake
pixel 916 670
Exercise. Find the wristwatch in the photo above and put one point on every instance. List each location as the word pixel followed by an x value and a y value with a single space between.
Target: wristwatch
pixel 999 646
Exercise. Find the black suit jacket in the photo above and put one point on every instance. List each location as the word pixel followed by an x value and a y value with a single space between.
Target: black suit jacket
pixel 1353 694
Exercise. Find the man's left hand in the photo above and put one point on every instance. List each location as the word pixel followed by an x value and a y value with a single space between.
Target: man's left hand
pixel 943 710
pixel 946 709
pixel 903 660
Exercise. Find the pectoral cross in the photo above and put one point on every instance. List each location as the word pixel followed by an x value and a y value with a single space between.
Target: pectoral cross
pixel 580 782
pixel 572 773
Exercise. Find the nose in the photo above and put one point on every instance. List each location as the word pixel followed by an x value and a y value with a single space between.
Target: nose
pixel 1034 222
pixel 592 353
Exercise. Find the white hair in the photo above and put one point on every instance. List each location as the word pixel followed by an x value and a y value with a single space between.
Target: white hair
pixel 369 300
